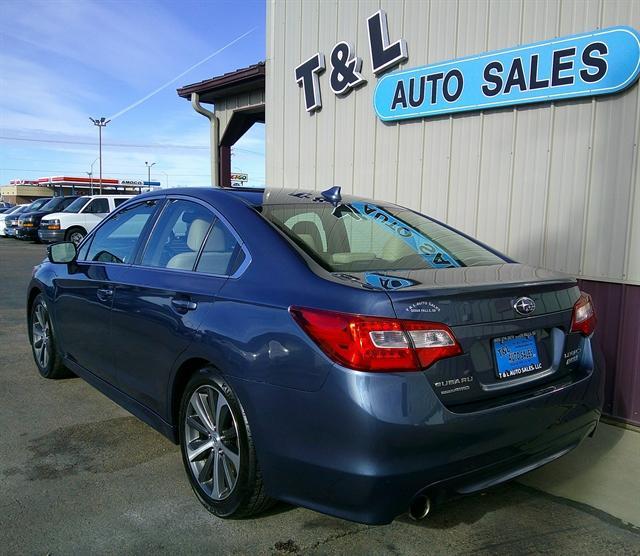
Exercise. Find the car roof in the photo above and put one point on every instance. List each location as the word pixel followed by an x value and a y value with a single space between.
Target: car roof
pixel 253 196
pixel 108 196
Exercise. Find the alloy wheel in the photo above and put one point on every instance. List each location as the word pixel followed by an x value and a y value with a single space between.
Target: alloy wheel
pixel 41 335
pixel 212 442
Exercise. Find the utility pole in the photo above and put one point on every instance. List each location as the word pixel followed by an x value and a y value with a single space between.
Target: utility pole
pixel 149 172
pixel 90 174
pixel 100 122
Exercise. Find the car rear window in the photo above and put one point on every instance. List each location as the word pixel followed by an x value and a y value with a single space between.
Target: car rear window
pixel 362 236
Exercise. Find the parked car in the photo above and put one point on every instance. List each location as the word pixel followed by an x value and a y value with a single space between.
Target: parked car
pixel 4 218
pixel 79 218
pixel 29 221
pixel 344 354
pixel 4 205
pixel 11 224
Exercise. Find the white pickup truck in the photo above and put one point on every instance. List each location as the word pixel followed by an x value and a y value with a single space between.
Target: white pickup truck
pixel 79 218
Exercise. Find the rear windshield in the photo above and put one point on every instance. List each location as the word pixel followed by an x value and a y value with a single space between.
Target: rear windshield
pixel 363 236
pixel 77 205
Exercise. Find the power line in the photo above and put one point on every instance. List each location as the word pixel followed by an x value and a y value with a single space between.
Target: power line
pixel 92 144
pixel 68 171
pixel 127 145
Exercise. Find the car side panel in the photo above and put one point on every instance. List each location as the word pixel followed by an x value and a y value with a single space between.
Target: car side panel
pixel 82 311
pixel 149 332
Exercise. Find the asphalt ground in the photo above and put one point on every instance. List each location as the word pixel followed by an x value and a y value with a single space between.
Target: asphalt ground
pixel 79 475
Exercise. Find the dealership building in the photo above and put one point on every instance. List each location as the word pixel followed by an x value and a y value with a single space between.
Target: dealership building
pixel 516 122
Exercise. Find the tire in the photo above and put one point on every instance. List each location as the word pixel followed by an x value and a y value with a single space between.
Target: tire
pixel 43 343
pixel 239 491
pixel 75 235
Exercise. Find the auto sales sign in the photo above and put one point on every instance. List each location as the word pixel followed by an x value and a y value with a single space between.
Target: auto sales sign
pixel 589 64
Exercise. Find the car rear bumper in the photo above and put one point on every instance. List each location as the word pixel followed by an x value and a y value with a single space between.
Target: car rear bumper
pixel 365 445
pixel 50 236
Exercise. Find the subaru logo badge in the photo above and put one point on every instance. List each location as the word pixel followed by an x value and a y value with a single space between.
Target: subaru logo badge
pixel 524 305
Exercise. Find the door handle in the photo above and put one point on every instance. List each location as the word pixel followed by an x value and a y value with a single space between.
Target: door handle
pixel 104 294
pixel 183 305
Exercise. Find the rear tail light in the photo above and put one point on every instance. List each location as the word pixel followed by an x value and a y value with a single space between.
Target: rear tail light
pixel 375 343
pixel 584 316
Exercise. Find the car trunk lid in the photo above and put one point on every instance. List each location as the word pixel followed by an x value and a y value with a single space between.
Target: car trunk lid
pixel 505 350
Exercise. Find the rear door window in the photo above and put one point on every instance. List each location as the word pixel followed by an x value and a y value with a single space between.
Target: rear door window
pixel 222 254
pixel 117 202
pixel 178 235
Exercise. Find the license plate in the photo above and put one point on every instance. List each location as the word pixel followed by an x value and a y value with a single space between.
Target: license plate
pixel 516 355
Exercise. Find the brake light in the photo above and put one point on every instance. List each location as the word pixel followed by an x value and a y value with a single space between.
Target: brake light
pixel 584 315
pixel 377 344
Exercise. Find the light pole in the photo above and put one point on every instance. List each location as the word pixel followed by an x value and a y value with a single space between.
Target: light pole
pixel 100 122
pixel 90 174
pixel 166 176
pixel 149 172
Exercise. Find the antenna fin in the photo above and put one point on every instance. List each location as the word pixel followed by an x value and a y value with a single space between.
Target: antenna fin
pixel 333 194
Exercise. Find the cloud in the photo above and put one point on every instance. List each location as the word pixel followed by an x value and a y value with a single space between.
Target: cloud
pixel 62 61
pixel 132 44
pixel 25 104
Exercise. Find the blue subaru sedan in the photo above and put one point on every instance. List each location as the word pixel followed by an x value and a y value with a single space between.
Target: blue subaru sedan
pixel 339 353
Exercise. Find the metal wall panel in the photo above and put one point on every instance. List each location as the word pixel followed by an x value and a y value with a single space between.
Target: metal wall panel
pixel 291 118
pixel 416 18
pixel 308 124
pixel 553 184
pixel 279 77
pixel 343 143
pixel 618 311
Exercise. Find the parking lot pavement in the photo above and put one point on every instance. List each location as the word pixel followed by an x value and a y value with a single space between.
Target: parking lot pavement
pixel 80 475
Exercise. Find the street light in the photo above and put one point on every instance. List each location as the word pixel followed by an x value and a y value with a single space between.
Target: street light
pixel 90 174
pixel 166 176
pixel 100 122
pixel 149 172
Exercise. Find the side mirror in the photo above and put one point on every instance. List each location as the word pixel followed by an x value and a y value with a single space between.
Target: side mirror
pixel 62 253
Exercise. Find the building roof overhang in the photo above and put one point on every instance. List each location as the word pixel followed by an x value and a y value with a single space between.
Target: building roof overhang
pixel 251 78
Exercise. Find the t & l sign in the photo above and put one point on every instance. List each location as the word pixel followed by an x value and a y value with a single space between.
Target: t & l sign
pixel 589 64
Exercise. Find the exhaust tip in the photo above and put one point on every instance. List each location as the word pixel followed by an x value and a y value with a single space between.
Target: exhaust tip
pixel 420 507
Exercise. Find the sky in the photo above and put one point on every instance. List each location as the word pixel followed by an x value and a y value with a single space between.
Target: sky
pixel 63 61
